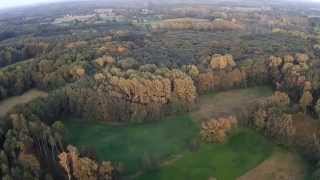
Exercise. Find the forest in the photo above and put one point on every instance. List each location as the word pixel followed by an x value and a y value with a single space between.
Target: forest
pixel 208 90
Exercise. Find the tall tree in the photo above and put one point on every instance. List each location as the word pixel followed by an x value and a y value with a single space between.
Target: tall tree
pixel 306 100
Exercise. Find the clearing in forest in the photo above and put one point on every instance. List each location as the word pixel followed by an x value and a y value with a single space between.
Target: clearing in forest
pixel 242 152
pixel 9 103
pixel 282 165
pixel 136 146
pixel 169 148
pixel 228 102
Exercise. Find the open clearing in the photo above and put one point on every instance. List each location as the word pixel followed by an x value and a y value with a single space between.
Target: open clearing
pixel 228 102
pixel 9 103
pixel 242 152
pixel 282 165
pixel 168 142
pixel 165 149
pixel 134 145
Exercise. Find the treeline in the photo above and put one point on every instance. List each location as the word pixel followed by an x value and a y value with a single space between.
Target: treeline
pixel 74 59
pixel 197 24
pixel 16 79
pixel 286 123
pixel 220 72
pixel 136 96
pixel 33 147
pixel 47 72
pixel 16 53
pixel 33 138
pixel 55 66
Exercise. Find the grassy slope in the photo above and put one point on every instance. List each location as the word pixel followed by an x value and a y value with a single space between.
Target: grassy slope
pixel 227 161
pixel 130 144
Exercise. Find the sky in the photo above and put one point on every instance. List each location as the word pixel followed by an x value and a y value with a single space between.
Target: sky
pixel 15 3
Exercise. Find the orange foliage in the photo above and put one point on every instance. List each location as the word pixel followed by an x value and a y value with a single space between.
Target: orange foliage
pixel 197 24
pixel 219 62
pixel 215 130
pixel 83 168
pixel 280 99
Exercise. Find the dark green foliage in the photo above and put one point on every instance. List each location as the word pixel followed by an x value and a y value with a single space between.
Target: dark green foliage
pixel 273 44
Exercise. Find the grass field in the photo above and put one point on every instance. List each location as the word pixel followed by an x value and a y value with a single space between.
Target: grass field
pixel 167 139
pixel 134 144
pixel 245 150
pixel 168 143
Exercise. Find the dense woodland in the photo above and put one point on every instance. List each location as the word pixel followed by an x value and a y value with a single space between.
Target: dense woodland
pixel 150 65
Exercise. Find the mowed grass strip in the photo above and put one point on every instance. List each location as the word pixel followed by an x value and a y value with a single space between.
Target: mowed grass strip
pixel 244 150
pixel 132 145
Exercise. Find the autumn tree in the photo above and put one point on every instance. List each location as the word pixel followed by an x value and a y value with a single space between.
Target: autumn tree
pixel 306 100
pixel 221 62
pixel 317 107
pixel 84 168
pixel 216 130
pixel 280 99
pixel 260 118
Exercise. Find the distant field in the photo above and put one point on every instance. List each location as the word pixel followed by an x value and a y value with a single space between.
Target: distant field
pixel 7 104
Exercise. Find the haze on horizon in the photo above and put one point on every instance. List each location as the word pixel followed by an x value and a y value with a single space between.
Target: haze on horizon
pixel 17 3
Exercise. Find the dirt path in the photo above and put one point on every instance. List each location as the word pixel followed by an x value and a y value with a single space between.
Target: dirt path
pixel 9 103
pixel 281 165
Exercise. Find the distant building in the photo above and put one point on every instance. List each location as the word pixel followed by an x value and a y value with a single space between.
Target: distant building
pixel 145 11
pixel 106 12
